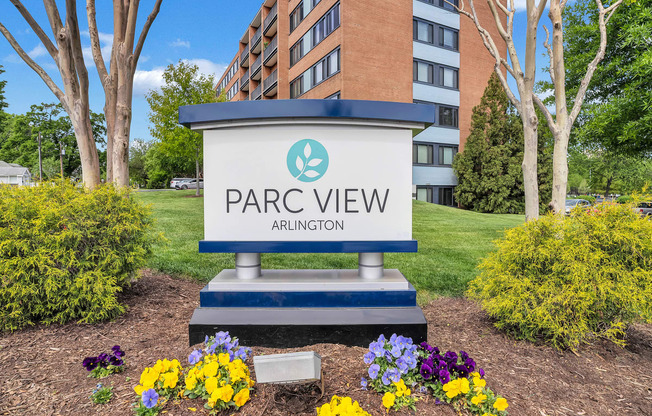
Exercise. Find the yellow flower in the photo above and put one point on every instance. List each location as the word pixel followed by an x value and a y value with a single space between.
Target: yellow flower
pixel 170 380
pixel 148 378
pixel 224 358
pixel 478 384
pixel 479 399
pixel 464 385
pixel 210 370
pixel 227 393
pixel 250 382
pixel 192 409
pixel 488 414
pixel 388 400
pixel 191 382
pixel 241 397
pixel 452 388
pixel 139 389
pixel 325 410
pixel 501 404
pixel 211 385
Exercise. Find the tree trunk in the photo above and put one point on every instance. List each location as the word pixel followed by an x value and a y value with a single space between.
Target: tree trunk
pixel 560 171
pixel 530 153
pixel 90 162
pixel 122 122
pixel 197 170
pixel 608 188
pixel 109 114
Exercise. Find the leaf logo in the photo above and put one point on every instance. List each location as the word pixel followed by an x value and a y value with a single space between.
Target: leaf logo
pixel 307 160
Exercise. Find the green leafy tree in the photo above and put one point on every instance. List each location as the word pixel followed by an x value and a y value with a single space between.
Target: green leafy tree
pixel 137 159
pixel 490 178
pixel 607 173
pixel 618 117
pixel 184 85
pixel 3 104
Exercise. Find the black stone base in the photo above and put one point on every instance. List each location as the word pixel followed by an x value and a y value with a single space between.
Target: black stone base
pixel 297 327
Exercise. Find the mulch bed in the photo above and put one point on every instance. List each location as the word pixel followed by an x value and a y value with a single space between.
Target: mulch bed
pixel 41 372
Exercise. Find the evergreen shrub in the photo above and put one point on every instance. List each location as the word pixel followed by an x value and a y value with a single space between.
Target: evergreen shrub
pixel 624 199
pixel 66 252
pixel 567 280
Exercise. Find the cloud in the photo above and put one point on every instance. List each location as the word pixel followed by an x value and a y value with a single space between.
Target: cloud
pixel 106 44
pixel 153 79
pixel 180 43
pixel 39 50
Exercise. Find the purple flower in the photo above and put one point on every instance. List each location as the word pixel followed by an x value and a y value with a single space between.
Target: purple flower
pixel 401 341
pixel 363 383
pixel 89 363
pixel 388 356
pixel 402 365
pixel 444 376
pixel 385 378
pixel 423 390
pixel 462 371
pixel 396 351
pixel 410 360
pixel 116 348
pixel 426 346
pixel 470 365
pixel 392 339
pixel 450 357
pixel 194 357
pixel 241 353
pixel 211 348
pixel 373 371
pixel 119 353
pixel 222 337
pixel 377 349
pixel 381 338
pixel 150 398
pixel 481 371
pixel 103 357
pixel 369 357
pixel 394 374
pixel 426 371
pixel 435 350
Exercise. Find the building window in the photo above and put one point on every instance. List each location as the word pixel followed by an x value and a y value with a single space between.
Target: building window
pixel 448 77
pixel 422 154
pixel 423 72
pixel 296 16
pixel 442 3
pixel 231 72
pixel 446 196
pixel 447 116
pixel 324 27
pixel 335 96
pixel 319 72
pixel 423 31
pixel 446 154
pixel 232 91
pixel 424 193
pixel 448 38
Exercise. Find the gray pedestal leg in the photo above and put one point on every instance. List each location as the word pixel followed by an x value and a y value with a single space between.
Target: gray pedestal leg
pixel 370 265
pixel 247 265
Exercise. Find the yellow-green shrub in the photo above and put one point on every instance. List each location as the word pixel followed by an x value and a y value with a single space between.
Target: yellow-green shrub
pixel 65 252
pixel 569 279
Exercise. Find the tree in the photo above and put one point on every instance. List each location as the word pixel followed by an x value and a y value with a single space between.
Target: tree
pixel 4 117
pixel 183 85
pixel 560 125
pixel 118 81
pixel 489 174
pixel 618 118
pixel 137 159
pixel 66 51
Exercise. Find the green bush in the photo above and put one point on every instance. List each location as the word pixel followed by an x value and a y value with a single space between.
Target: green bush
pixel 66 252
pixel 566 280
pixel 589 198
pixel 624 199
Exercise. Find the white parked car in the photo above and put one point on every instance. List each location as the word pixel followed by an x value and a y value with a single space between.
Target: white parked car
pixel 176 181
pixel 190 184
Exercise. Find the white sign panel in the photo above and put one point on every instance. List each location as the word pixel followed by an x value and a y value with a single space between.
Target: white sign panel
pixel 310 182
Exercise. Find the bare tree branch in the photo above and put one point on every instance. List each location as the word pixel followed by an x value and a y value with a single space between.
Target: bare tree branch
pixel 143 33
pixel 130 28
pixel 541 8
pixel 546 113
pixel 599 56
pixel 53 16
pixel 551 68
pixel 52 50
pixel 72 28
pixel 96 48
pixel 29 61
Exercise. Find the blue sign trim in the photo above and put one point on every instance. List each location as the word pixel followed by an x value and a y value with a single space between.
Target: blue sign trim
pixel 397 246
pixel 278 109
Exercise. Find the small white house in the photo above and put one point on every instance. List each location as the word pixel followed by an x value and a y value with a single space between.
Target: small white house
pixel 14 174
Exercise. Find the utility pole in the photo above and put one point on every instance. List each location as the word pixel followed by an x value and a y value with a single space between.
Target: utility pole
pixel 40 161
pixel 61 153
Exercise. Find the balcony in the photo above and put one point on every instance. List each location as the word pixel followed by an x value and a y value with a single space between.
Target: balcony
pixel 269 24
pixel 244 57
pixel 270 52
pixel 255 41
pixel 255 68
pixel 244 81
pixel 256 95
pixel 218 91
pixel 270 84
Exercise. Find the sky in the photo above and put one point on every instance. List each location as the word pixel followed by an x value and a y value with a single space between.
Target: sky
pixel 202 32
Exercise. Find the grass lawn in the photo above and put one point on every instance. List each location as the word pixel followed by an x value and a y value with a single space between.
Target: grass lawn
pixel 451 243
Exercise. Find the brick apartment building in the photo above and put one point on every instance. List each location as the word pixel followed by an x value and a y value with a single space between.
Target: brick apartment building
pixel 418 51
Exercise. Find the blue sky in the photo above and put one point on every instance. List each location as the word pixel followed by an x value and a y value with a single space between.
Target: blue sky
pixel 202 32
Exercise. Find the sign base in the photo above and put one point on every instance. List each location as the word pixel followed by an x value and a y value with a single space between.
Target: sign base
pixel 292 308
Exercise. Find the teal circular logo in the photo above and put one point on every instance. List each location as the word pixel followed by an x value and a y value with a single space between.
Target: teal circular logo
pixel 307 160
